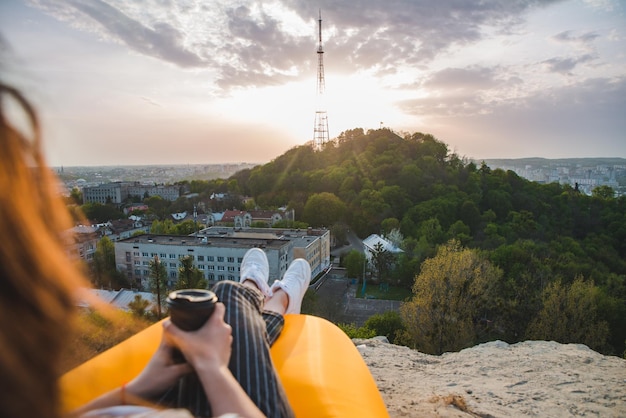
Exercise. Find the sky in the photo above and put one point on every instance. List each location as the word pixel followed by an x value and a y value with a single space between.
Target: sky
pixel 119 82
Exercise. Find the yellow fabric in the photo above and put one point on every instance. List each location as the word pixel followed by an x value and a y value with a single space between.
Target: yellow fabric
pixel 319 366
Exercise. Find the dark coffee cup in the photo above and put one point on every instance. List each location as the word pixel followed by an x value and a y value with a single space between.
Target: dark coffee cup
pixel 191 308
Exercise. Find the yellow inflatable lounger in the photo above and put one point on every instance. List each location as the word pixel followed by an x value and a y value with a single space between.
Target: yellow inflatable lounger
pixel 321 369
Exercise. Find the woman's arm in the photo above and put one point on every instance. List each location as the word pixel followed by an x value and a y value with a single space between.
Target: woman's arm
pixel 208 350
pixel 159 374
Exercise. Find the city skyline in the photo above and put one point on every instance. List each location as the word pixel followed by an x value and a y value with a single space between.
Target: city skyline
pixel 119 82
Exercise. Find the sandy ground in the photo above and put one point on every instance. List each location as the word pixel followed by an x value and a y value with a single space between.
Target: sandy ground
pixel 532 378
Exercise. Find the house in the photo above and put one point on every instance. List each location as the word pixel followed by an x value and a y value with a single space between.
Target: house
pixel 245 219
pixel 82 241
pixel 373 242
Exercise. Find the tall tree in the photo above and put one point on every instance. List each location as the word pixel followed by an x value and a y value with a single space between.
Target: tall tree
pixel 381 261
pixel 189 277
pixel 450 293
pixel 158 283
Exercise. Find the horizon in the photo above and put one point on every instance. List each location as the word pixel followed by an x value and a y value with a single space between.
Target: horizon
pixel 262 163
pixel 119 84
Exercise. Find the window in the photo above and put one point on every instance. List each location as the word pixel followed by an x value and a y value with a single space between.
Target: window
pixel 146 263
pixel 144 254
pixel 137 272
pixel 220 268
pixel 153 255
pixel 163 255
pixel 200 258
pixel 239 259
pixel 220 277
pixel 211 267
pixel 137 262
pixel 172 255
pixel 231 277
pixel 173 274
pixel 231 259
pixel 173 265
pixel 136 253
pixel 200 266
pixel 210 258
pixel 128 256
pixel 220 259
pixel 211 276
pixel 230 268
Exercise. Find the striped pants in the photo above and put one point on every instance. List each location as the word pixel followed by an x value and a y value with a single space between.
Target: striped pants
pixel 254 331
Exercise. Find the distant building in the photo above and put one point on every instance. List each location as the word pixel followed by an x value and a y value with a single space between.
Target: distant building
pixel 166 192
pixel 217 252
pixel 104 193
pixel 82 241
pixel 117 192
pixel 123 228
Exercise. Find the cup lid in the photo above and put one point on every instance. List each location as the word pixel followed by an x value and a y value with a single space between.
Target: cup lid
pixel 192 296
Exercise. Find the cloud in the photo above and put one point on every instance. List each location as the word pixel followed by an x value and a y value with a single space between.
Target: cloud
pixel 408 31
pixel 566 65
pixel 583 119
pixel 151 101
pixel 162 40
pixel 462 92
pixel 584 39
pixel 249 44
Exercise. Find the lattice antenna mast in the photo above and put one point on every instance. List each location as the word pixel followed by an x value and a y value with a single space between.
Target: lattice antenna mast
pixel 320 129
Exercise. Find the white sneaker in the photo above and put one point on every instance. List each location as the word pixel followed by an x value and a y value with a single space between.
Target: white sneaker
pixel 295 282
pixel 255 267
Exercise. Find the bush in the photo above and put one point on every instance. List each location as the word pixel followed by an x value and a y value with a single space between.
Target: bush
pixel 388 324
pixel 353 332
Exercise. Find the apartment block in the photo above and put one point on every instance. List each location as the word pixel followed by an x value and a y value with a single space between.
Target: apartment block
pixel 218 252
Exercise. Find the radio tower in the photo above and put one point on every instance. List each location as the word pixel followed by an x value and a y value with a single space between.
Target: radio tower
pixel 320 129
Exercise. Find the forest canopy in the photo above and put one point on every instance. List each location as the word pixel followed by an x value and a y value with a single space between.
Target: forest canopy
pixel 547 240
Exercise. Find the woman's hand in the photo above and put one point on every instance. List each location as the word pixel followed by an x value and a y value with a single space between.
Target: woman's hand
pixel 159 374
pixel 207 348
pixel 208 351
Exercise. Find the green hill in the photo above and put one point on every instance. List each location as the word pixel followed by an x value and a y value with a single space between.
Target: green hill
pixel 538 234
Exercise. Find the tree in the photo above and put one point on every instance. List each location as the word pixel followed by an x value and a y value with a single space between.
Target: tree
pixel 451 291
pixel 395 237
pixel 138 306
pixel 76 196
pixel 189 277
pixel 158 283
pixel 323 209
pixel 101 213
pixel 339 231
pixel 603 192
pixel 570 315
pixel 388 225
pixel 381 261
pixel 355 264
pixel 388 324
pixel 104 270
